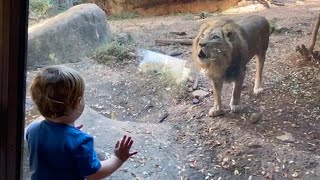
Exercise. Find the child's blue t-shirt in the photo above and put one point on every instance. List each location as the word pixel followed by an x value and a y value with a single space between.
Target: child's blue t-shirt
pixel 60 151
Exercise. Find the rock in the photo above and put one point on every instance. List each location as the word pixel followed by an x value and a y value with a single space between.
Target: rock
pixel 314 135
pixel 132 54
pixel 295 174
pixel 255 117
pixel 262 108
pixel 200 94
pixel 287 137
pixel 175 53
pixel 164 7
pixel 311 147
pixel 179 33
pixel 67 37
pixel 318 77
pixel 195 101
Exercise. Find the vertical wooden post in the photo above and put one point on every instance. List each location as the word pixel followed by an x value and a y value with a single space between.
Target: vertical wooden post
pixel 13 37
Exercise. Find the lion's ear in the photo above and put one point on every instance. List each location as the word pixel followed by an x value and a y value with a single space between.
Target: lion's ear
pixel 230 34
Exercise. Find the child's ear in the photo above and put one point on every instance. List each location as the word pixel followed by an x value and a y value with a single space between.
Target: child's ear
pixel 230 34
pixel 80 100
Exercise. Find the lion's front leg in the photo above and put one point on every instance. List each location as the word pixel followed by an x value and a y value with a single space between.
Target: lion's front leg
pixel 216 110
pixel 236 93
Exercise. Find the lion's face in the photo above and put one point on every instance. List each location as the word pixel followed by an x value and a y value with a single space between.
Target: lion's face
pixel 212 44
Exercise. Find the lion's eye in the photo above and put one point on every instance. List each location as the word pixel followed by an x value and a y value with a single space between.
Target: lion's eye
pixel 202 36
pixel 215 37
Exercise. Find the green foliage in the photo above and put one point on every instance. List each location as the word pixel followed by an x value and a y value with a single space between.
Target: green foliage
pixel 47 8
pixel 41 7
pixel 112 53
pixel 273 24
pixel 180 90
pixel 167 80
pixel 124 15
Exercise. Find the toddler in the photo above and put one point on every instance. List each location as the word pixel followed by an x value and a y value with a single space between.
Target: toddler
pixel 58 149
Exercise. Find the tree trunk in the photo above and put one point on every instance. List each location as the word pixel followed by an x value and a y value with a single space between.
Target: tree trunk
pixel 314 35
pixel 308 54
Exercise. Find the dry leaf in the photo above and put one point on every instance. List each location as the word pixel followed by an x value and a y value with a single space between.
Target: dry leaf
pixel 295 175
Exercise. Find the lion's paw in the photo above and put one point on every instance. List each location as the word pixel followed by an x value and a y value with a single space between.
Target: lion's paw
pixel 257 90
pixel 235 108
pixel 214 113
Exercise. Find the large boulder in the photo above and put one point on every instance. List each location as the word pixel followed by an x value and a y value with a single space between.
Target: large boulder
pixel 164 7
pixel 67 37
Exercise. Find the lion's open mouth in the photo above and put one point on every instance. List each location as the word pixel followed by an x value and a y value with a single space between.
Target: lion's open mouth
pixel 202 54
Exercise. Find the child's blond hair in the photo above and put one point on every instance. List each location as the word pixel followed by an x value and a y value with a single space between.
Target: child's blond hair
pixel 56 90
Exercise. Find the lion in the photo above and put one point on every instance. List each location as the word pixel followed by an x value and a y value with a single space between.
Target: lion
pixel 224 47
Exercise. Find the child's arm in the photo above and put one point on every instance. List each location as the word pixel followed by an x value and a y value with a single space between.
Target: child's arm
pixel 122 153
pixel 107 168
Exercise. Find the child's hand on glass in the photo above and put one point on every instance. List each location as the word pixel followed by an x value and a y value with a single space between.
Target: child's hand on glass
pixel 122 149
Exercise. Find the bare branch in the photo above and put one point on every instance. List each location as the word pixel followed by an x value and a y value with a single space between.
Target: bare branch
pixel 314 35
pixel 173 41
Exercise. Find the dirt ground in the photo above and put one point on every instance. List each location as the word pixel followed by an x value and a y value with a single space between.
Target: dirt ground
pixel 233 146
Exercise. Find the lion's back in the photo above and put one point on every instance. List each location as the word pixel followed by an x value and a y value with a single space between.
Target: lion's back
pixel 256 32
